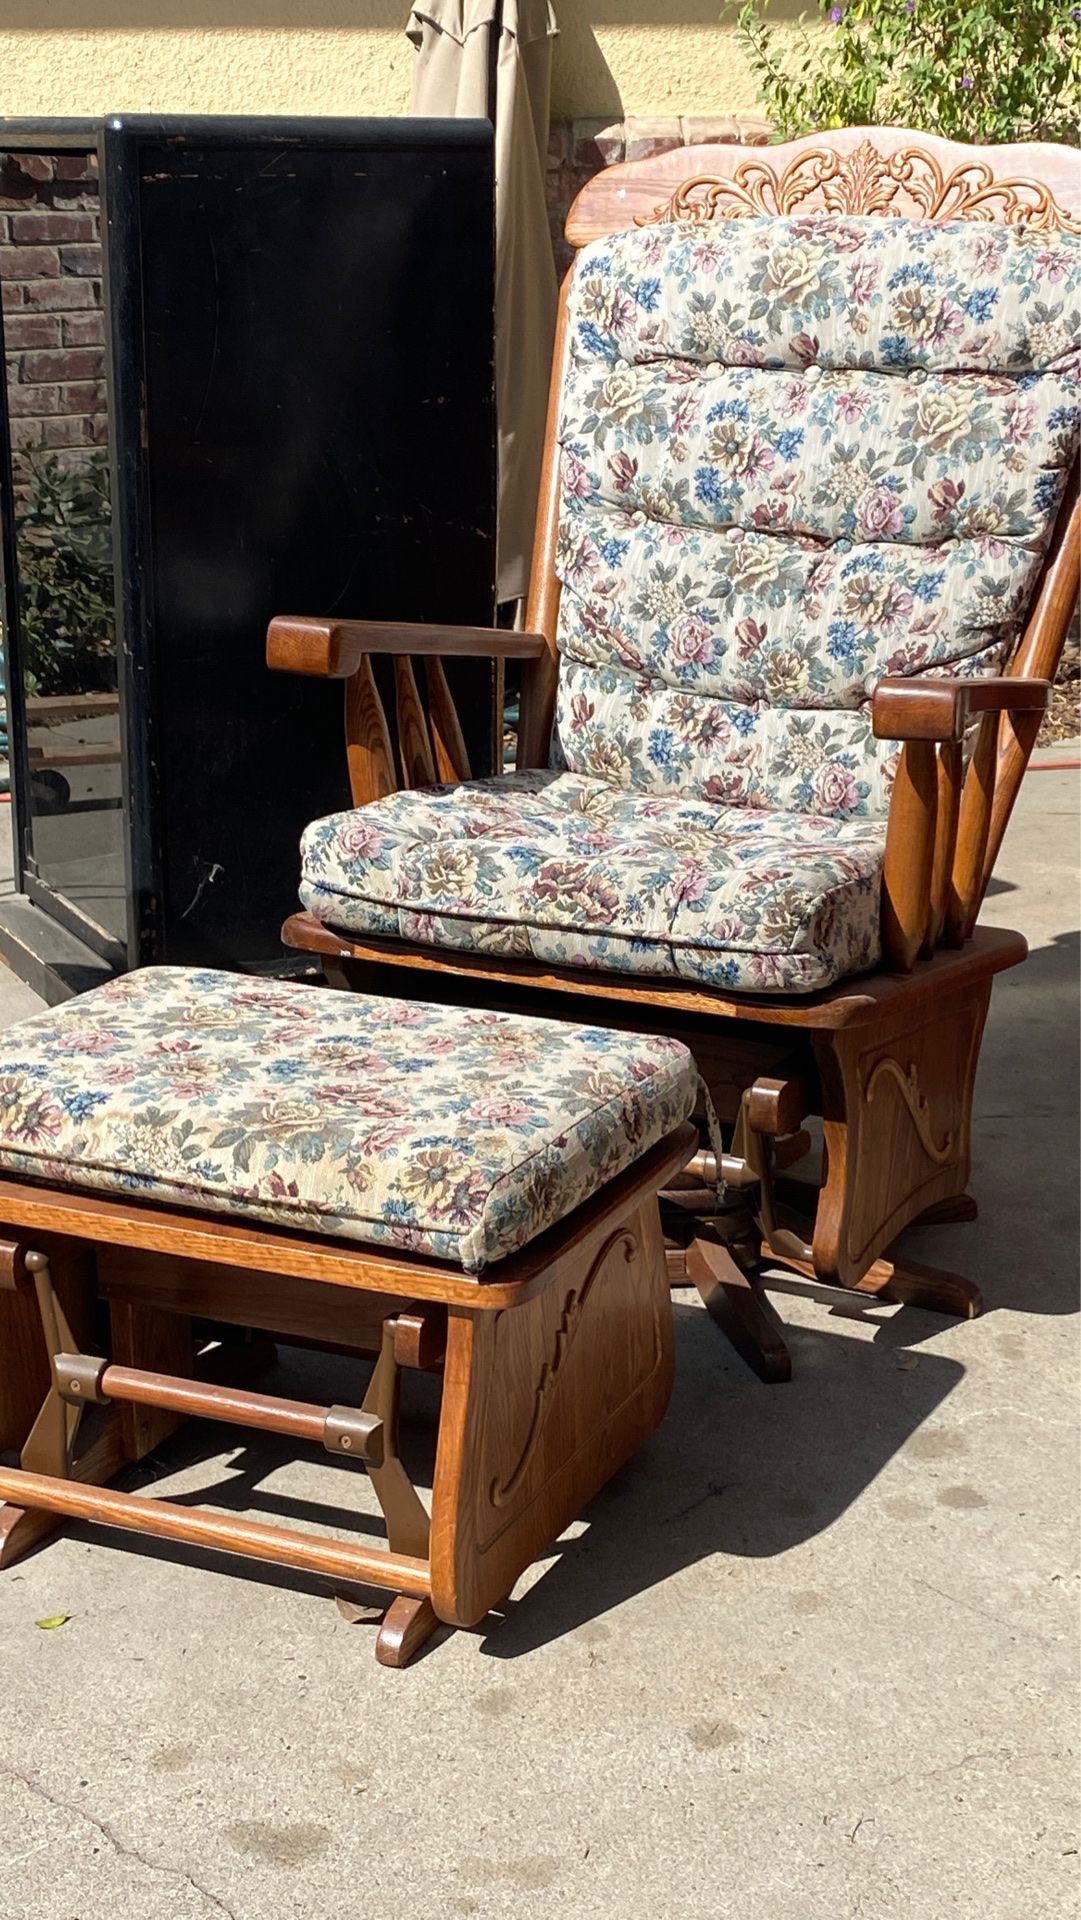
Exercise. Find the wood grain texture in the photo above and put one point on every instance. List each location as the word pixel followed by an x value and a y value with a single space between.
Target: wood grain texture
pixel 876 170
pixel 897 1115
pixel 281 1546
pixel 414 746
pixel 854 1002
pixel 935 837
pixel 741 1309
pixel 234 1243
pixel 778 1104
pixel 407 1626
pixel 368 750
pixel 949 773
pixel 542 1404
pixel 201 1400
pixel 143 1336
pixel 973 832
pixel 308 1310
pixel 1038 656
pixel 910 852
pixel 334 649
pixel 538 702
pixel 451 754
pixel 905 708
pixel 908 1283
pixel 23 1528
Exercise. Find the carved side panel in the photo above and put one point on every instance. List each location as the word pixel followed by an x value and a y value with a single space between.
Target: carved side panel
pixel 542 1403
pixel 897 1113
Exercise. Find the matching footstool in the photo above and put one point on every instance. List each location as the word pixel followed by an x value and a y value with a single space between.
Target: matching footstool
pixel 187 1153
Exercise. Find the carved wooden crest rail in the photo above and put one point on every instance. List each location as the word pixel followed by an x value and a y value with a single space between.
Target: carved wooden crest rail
pixel 866 181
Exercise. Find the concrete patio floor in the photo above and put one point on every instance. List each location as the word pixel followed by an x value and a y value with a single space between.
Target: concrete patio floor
pixel 812 1656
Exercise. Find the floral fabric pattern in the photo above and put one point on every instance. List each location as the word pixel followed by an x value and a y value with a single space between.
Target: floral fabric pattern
pixel 459 1135
pixel 575 872
pixel 799 454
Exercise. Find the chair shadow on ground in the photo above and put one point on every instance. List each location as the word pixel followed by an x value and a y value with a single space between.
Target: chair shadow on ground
pixel 736 1469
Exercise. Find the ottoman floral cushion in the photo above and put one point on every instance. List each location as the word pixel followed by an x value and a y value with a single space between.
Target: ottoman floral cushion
pixel 455 1133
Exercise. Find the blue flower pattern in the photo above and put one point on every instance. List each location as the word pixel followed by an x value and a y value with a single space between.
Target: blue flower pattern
pixel 796 455
pixel 452 1134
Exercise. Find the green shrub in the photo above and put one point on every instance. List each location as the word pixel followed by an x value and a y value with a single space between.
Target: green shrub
pixel 978 70
pixel 65 569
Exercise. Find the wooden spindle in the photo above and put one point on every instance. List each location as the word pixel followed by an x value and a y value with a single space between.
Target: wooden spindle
pixel 537 692
pixel 451 757
pixel 418 767
pixel 948 806
pixel 974 825
pixel 910 851
pixel 367 739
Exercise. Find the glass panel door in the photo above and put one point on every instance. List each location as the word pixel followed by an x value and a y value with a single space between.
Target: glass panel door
pixel 59 543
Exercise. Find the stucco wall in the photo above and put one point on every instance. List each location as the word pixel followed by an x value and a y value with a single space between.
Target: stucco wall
pixel 613 57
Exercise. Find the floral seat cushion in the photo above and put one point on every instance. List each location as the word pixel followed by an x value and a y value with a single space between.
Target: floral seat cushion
pixel 460 1135
pixel 558 868
pixel 796 454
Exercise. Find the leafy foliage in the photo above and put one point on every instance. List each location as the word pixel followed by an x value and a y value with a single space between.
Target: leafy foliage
pixel 66 577
pixel 976 70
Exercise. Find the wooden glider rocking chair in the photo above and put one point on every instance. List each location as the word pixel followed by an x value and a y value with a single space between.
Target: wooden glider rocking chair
pixel 886 1053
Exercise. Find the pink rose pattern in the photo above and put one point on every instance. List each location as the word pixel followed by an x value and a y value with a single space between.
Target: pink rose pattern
pixel 797 455
pixel 453 1134
pixel 845 438
pixel 574 871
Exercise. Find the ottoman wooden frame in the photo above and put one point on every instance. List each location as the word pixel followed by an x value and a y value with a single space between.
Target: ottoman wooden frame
pixel 556 1366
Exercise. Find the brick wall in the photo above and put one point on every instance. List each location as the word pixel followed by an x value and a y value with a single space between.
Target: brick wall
pixel 50 263
pixel 577 149
pixel 50 270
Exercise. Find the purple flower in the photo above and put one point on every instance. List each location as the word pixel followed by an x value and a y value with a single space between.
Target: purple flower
pixel 837 14
pixel 966 82
pixel 1075 16
pixel 910 6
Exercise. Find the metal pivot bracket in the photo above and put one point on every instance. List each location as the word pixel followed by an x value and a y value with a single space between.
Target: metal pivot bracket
pixel 353 1431
pixel 753 1144
pixel 51 1440
pixel 78 1378
pixel 408 1526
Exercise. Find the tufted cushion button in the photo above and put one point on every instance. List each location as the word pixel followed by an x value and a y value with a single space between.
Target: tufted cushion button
pixel 812 374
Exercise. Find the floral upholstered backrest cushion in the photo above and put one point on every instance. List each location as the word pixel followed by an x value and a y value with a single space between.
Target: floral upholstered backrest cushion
pixel 798 454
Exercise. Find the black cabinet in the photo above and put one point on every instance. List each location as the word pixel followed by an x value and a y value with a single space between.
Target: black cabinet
pixel 295 414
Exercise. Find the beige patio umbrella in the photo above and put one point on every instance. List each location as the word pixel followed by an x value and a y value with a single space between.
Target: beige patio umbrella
pixel 492 59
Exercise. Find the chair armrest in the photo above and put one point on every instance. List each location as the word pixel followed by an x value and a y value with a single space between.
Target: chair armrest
pixel 913 709
pixel 334 649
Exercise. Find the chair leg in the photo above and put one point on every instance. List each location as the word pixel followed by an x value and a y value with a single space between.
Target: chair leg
pixel 947 1213
pixel 935 1289
pixel 407 1626
pixel 901 1282
pixel 736 1302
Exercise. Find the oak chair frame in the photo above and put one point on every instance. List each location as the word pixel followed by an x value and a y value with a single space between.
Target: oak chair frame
pixel 556 1366
pixel 887 1060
